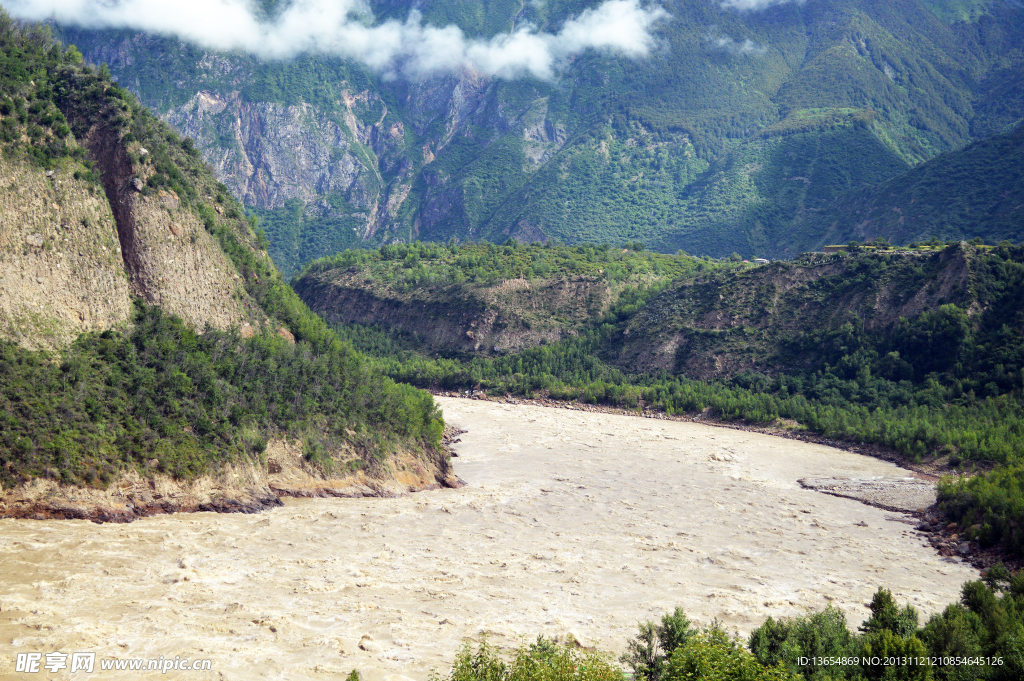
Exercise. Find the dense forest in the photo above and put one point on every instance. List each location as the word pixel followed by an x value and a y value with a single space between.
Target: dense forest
pixel 970 192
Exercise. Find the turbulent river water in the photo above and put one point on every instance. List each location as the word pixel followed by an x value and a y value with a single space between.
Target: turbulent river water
pixel 571 523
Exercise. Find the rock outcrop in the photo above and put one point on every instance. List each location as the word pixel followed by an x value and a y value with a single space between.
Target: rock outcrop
pixel 61 267
pixel 268 153
pixel 722 325
pixel 170 259
pixel 505 317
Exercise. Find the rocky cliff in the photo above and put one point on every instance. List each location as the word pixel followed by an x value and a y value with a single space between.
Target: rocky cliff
pixel 74 251
pixel 269 153
pixel 168 256
pixel 61 267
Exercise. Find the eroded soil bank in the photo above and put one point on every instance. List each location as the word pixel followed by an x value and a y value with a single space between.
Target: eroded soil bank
pixel 239 488
pixel 570 522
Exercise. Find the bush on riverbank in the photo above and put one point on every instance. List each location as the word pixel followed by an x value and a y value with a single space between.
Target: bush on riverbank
pixel 981 638
pixel 540 661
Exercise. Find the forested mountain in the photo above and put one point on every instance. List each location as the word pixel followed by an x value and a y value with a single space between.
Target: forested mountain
pixel 144 331
pixel 977 191
pixel 736 131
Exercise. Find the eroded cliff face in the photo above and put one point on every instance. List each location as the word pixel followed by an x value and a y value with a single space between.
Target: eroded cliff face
pixel 512 315
pixel 74 252
pixel 180 267
pixel 61 266
pixel 169 257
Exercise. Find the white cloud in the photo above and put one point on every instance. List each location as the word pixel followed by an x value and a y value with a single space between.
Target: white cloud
pixel 755 4
pixel 346 28
pixel 727 44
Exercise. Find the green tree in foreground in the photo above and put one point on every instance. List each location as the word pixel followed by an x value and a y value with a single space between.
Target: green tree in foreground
pixel 787 641
pixel 979 639
pixel 648 653
pixel 713 656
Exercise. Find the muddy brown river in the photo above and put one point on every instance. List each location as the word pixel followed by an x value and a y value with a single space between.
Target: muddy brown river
pixel 571 523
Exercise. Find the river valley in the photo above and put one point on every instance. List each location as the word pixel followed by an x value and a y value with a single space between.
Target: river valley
pixel 570 523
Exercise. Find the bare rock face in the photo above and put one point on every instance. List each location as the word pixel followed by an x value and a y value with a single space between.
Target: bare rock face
pixel 61 270
pixel 72 253
pixel 181 268
pixel 692 326
pixel 269 153
pixel 169 257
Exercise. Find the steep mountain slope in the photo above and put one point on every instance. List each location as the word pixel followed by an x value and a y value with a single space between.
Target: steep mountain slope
pixel 725 138
pixel 146 336
pixel 977 191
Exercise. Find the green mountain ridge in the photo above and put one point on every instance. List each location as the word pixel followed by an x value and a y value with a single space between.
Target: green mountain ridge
pixel 977 191
pixel 702 146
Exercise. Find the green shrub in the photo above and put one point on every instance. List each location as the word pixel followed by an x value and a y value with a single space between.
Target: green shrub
pixel 540 661
pixel 785 641
pixel 712 656
pixel 648 653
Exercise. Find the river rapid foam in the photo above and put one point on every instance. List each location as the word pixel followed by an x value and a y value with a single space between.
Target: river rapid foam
pixel 570 523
